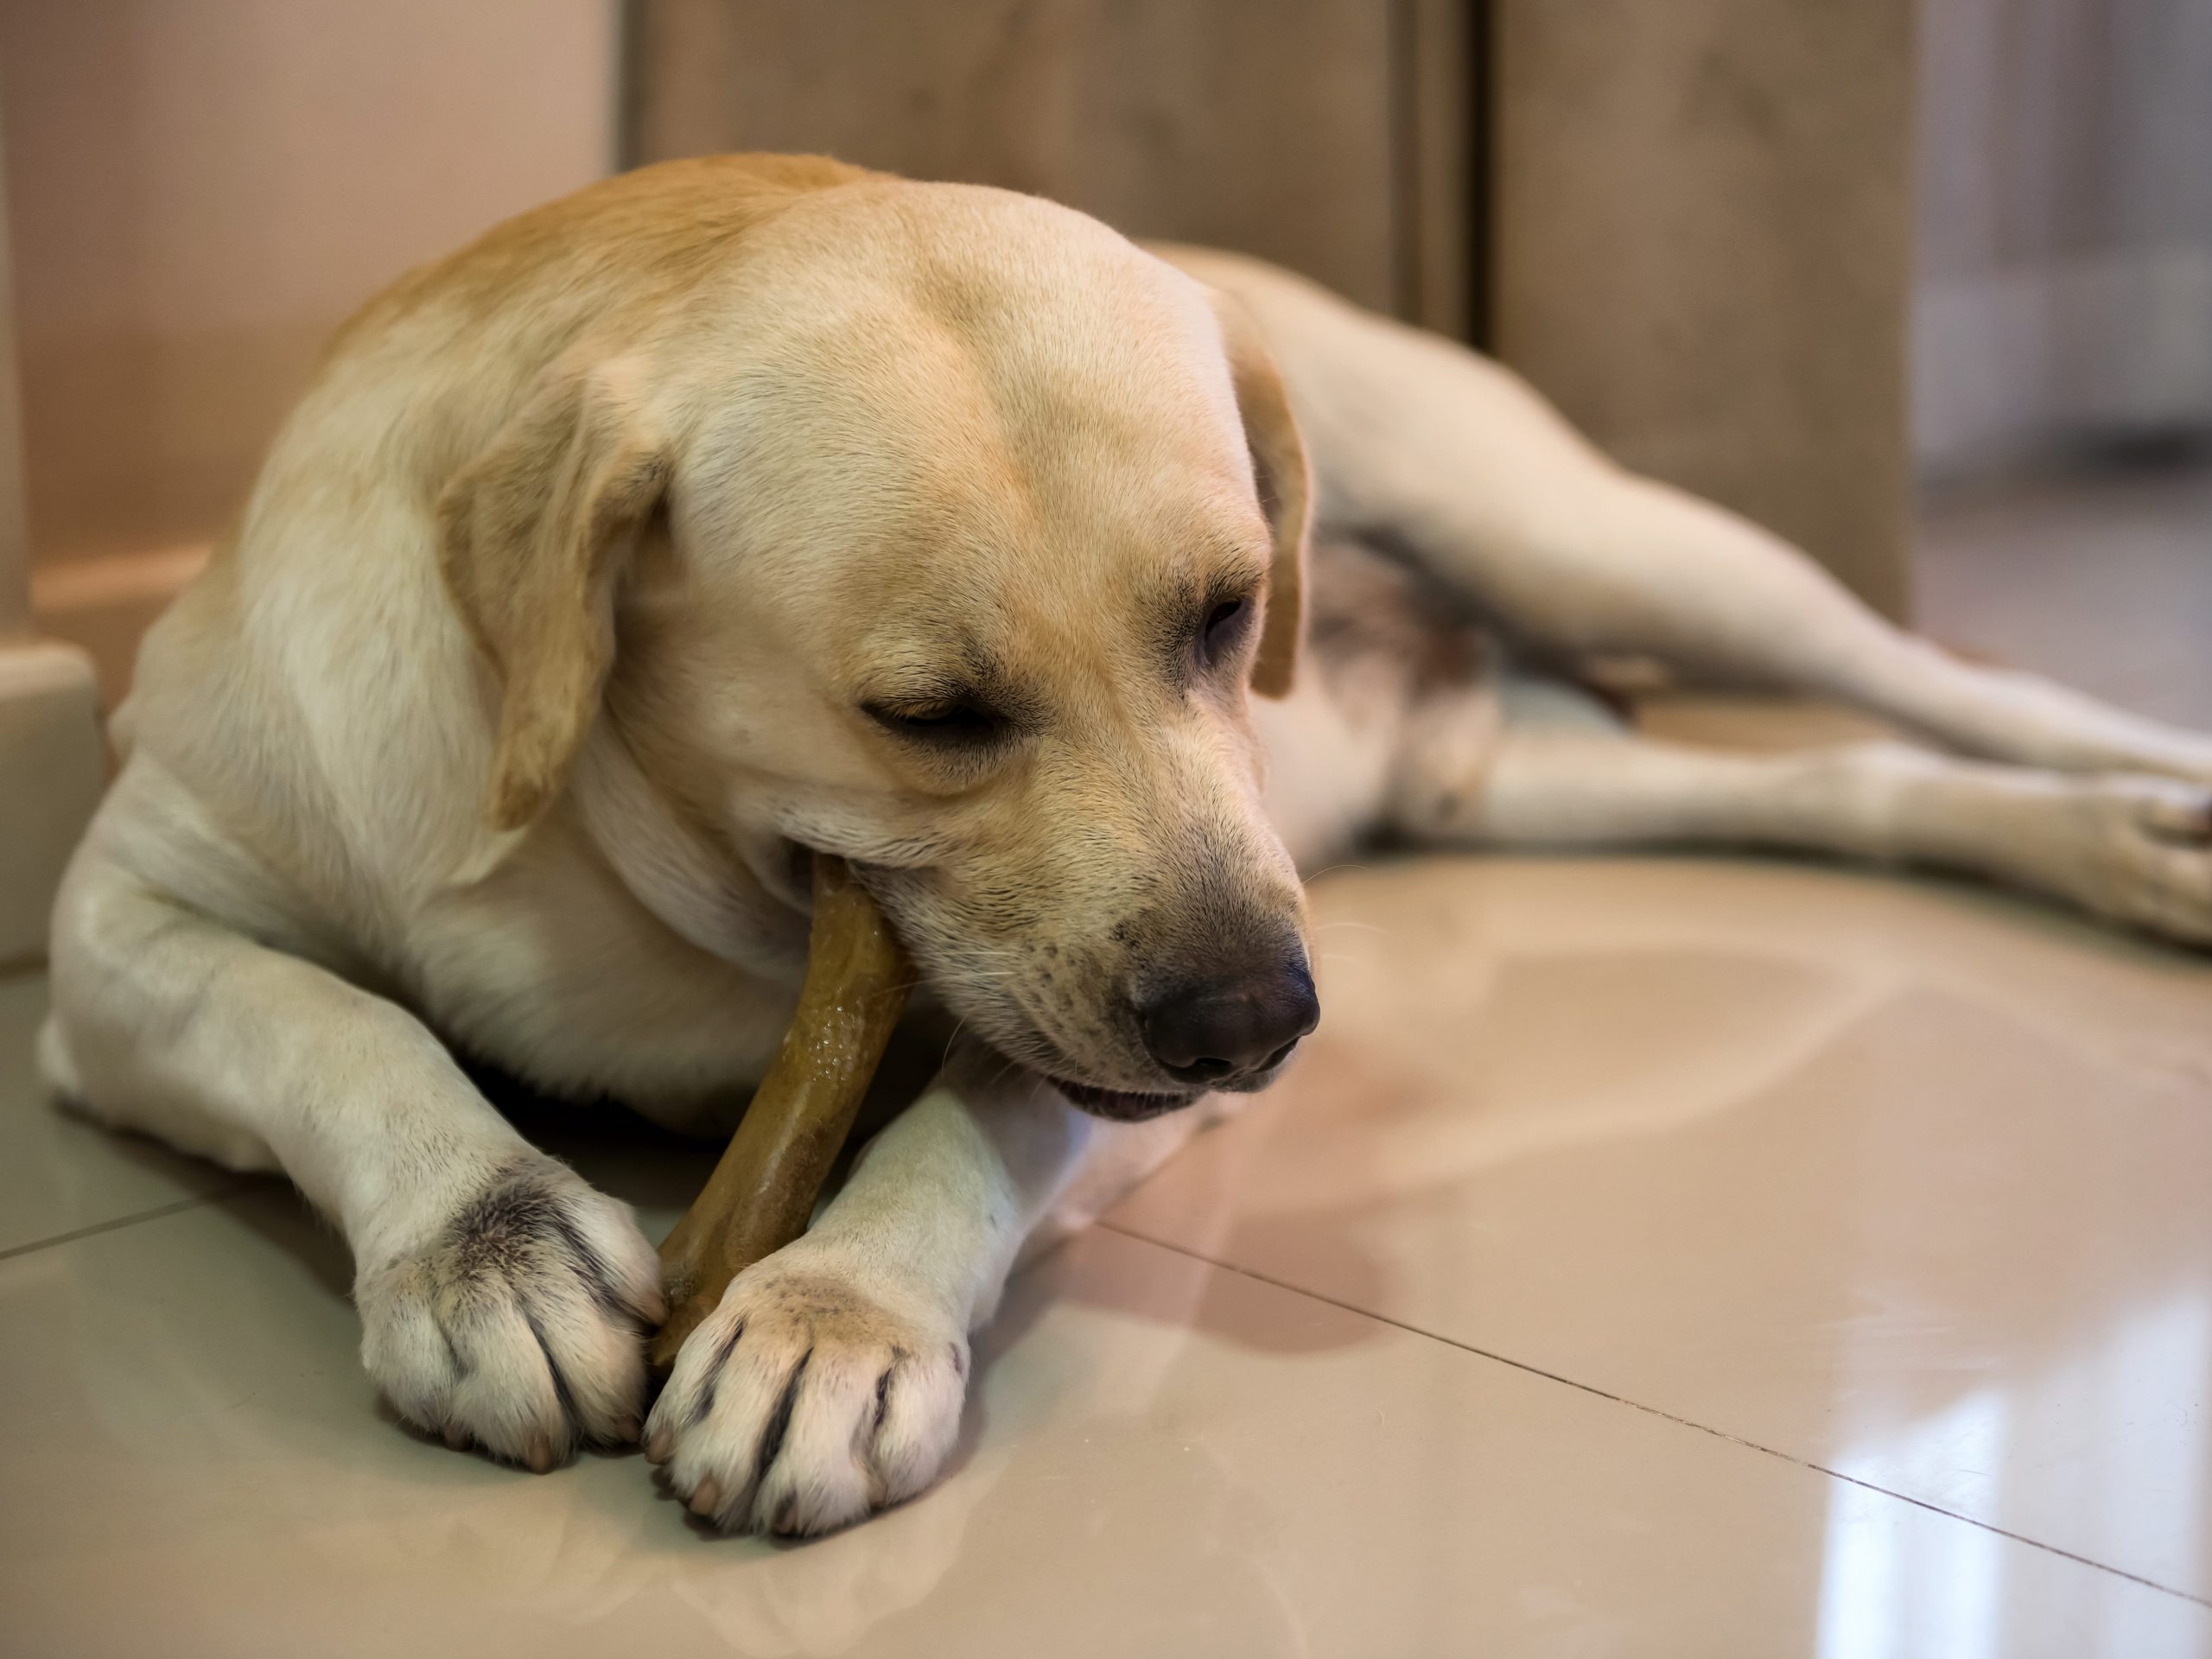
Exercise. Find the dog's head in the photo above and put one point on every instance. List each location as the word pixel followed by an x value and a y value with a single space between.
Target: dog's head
pixel 944 530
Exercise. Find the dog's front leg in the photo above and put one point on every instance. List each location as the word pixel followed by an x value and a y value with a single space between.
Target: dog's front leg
pixel 828 1381
pixel 502 1300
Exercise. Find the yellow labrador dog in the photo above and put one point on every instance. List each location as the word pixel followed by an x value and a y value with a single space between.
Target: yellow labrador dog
pixel 745 507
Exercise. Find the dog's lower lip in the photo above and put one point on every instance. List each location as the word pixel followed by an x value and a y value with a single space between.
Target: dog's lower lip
pixel 1120 1102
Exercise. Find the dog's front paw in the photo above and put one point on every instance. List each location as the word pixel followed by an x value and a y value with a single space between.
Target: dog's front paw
pixel 813 1395
pixel 519 1325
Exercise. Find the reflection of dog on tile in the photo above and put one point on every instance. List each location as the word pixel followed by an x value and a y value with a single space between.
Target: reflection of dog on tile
pixel 744 506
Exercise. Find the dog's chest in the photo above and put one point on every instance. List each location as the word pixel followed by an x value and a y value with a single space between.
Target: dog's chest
pixel 553 971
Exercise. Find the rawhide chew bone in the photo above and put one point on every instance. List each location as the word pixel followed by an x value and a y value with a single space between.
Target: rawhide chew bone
pixel 762 1192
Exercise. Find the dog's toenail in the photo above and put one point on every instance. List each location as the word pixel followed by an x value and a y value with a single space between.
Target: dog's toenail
pixel 660 1448
pixel 706 1497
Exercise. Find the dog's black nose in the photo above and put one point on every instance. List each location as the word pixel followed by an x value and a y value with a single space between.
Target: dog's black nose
pixel 1220 1031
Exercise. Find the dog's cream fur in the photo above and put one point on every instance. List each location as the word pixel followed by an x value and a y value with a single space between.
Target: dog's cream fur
pixel 611 561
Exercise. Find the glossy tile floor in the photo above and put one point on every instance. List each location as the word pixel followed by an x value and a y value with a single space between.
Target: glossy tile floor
pixel 1652 1256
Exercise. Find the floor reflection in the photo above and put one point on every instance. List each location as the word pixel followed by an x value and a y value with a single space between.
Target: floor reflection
pixel 2145 1487
pixel 1881 1600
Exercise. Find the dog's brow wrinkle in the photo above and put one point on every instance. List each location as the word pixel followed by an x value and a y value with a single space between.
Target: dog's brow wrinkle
pixel 921 688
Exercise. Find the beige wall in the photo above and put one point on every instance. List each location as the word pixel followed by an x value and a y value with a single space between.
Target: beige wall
pixel 201 189
pixel 2063 285
pixel 15 541
pixel 1703 250
pixel 1325 134
pixel 51 757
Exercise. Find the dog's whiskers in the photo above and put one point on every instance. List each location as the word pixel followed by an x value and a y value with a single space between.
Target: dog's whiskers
pixel 1333 869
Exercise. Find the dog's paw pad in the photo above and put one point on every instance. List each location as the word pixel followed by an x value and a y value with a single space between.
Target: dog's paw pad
pixel 805 1400
pixel 519 1325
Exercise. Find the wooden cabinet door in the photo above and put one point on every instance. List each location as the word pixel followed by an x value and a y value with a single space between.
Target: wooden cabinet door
pixel 1306 131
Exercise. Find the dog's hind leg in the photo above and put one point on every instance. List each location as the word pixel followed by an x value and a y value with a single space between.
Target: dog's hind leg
pixel 1420 443
pixel 2134 849
pixel 503 1302
pixel 1643 568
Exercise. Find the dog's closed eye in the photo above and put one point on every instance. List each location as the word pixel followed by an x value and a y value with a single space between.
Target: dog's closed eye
pixel 959 721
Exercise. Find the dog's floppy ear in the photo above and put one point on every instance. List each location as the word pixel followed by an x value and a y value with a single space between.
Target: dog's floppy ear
pixel 532 535
pixel 1285 483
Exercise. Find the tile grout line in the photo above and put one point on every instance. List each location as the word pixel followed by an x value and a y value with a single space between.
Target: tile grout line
pixel 1654 1411
pixel 120 1221
pixel 234 1190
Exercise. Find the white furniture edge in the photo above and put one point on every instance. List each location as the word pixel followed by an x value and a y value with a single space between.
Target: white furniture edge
pixel 53 763
pixel 52 767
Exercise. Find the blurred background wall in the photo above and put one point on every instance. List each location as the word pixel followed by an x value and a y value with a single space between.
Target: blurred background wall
pixel 1331 135
pixel 1700 248
pixel 2063 284
pixel 199 191
pixel 1780 254
pixel 1688 223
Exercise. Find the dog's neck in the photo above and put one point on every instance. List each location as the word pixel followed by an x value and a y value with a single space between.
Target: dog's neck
pixel 710 895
